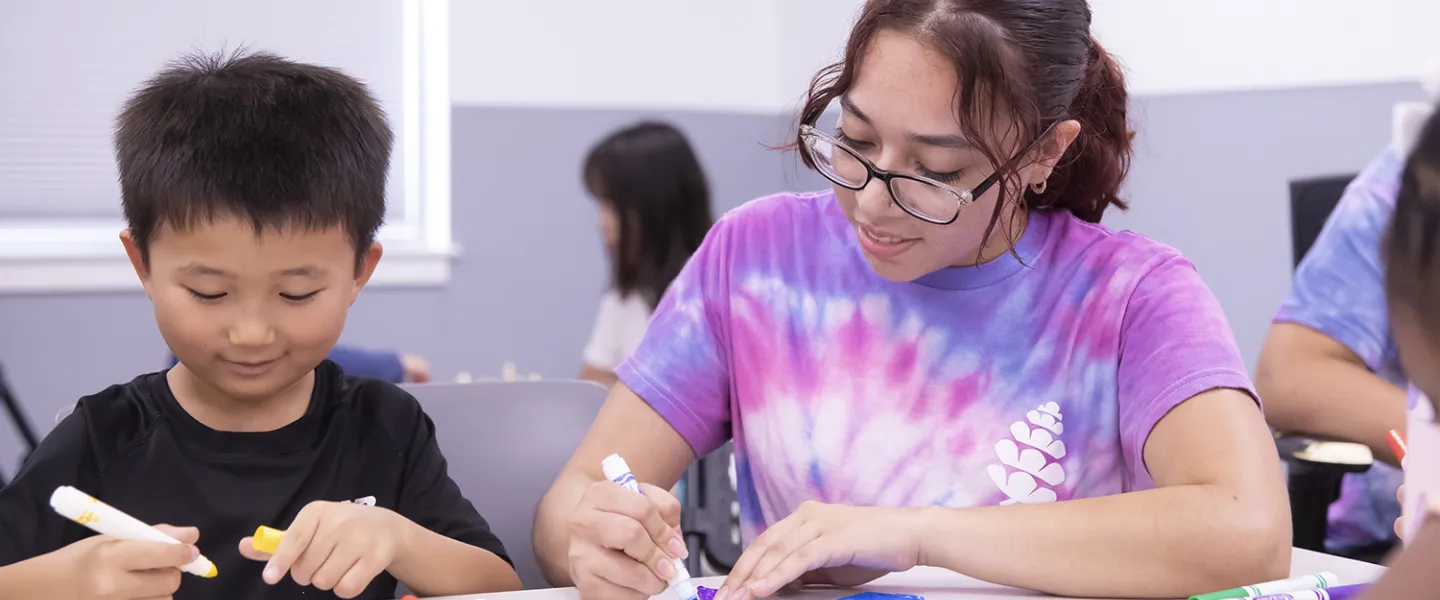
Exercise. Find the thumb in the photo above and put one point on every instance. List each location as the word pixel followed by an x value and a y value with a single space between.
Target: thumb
pixel 247 550
pixel 185 535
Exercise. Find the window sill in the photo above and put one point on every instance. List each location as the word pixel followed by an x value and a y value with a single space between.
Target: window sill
pixel 111 272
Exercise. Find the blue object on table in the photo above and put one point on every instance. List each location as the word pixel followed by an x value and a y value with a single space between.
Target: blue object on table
pixel 880 596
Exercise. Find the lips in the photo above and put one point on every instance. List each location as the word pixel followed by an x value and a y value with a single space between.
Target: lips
pixel 251 368
pixel 883 244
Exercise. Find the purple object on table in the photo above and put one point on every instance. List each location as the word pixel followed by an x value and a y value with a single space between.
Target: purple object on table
pixel 705 593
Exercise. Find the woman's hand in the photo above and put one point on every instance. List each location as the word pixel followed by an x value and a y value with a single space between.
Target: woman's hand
pixel 623 545
pixel 810 545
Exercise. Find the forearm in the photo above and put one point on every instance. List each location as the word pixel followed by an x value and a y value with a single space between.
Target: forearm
pixel 434 565
pixel 34 578
pixel 1166 542
pixel 1333 399
pixel 551 537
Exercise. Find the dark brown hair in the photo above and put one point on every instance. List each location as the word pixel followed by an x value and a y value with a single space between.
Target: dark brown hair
pixel 1030 61
pixel 1412 244
pixel 253 136
pixel 649 174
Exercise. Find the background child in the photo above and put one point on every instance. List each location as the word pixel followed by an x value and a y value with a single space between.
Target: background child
pixel 253 187
pixel 654 206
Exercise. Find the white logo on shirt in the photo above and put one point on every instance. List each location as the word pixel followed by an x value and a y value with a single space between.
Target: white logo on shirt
pixel 1026 456
pixel 367 501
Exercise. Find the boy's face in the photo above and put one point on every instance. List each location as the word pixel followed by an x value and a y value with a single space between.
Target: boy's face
pixel 250 315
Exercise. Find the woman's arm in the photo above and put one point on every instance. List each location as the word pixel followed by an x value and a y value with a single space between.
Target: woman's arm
pixel 628 426
pixel 1311 384
pixel 1219 518
pixel 601 376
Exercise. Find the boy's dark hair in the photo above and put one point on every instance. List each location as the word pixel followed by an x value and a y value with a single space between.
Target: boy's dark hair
pixel 649 174
pixel 1412 245
pixel 254 136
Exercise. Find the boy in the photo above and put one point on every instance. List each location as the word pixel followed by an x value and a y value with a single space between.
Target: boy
pixel 253 187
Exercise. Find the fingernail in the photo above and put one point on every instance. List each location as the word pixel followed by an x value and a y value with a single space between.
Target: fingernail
pixel 194 553
pixel 666 569
pixel 678 549
pixel 271 574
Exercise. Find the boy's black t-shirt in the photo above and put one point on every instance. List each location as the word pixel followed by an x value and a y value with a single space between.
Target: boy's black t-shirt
pixel 133 447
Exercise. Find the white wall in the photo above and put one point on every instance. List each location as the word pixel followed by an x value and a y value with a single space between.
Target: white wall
pixel 759 55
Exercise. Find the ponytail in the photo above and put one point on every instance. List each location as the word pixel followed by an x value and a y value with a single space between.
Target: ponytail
pixel 1087 179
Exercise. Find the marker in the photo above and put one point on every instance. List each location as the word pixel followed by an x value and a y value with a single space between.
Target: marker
pixel 617 471
pixel 1296 584
pixel 1397 444
pixel 104 519
pixel 1344 592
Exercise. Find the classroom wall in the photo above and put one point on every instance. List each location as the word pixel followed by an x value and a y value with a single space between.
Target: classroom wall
pixel 1223 127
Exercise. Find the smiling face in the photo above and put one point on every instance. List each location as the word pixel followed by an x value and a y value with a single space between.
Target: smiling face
pixel 901 114
pixel 250 316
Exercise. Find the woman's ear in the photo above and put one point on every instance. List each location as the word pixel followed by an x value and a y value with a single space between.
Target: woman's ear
pixel 1048 152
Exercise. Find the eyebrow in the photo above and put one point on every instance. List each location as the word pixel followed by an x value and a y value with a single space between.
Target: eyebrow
pixel 940 141
pixel 208 271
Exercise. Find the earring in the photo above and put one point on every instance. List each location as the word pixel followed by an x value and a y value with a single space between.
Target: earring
pixel 1039 188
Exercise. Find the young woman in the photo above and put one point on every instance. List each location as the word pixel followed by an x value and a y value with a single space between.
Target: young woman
pixel 944 360
pixel 654 210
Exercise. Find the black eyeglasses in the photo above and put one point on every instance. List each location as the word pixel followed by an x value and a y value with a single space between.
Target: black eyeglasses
pixel 920 197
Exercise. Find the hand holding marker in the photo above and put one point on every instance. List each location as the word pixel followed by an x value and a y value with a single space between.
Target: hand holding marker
pixel 618 471
pixel 104 519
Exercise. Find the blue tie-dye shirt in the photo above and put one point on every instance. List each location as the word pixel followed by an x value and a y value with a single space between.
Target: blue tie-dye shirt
pixel 1023 380
pixel 1339 291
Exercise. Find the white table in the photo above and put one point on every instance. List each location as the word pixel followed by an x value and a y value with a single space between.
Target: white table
pixel 939 584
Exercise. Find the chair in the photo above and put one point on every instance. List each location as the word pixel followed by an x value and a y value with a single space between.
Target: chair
pixel 505 443
pixel 22 423
pixel 711 516
pixel 1315 467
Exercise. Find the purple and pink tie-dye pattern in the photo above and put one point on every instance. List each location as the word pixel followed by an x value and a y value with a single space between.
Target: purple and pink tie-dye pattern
pixel 1028 379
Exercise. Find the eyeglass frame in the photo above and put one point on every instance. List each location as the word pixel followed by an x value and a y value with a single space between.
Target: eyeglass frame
pixel 963 198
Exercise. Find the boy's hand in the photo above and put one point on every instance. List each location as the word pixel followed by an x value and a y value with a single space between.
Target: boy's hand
pixel 112 569
pixel 338 546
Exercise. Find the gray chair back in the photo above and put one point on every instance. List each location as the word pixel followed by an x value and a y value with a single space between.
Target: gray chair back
pixel 505 442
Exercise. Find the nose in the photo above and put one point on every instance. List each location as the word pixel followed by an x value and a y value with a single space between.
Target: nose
pixel 251 331
pixel 874 201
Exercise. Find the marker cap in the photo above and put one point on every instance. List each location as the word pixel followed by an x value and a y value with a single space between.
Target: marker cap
pixel 267 540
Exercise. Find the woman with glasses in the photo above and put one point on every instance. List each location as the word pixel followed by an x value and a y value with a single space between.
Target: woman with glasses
pixel 654 208
pixel 944 360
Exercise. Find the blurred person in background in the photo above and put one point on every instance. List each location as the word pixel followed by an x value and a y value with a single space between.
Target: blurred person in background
pixel 654 210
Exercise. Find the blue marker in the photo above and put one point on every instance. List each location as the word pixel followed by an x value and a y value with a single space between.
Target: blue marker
pixel 617 471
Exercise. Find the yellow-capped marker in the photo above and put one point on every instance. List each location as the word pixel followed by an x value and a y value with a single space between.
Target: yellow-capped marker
pixel 267 539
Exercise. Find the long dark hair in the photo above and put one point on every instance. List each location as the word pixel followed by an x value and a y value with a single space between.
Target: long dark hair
pixel 1030 61
pixel 649 174
pixel 1412 244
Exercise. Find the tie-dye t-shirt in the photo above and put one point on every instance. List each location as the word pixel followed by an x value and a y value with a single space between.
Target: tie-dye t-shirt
pixel 1339 291
pixel 1029 379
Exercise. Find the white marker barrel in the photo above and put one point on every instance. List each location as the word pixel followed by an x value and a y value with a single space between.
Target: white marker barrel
pixel 104 519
